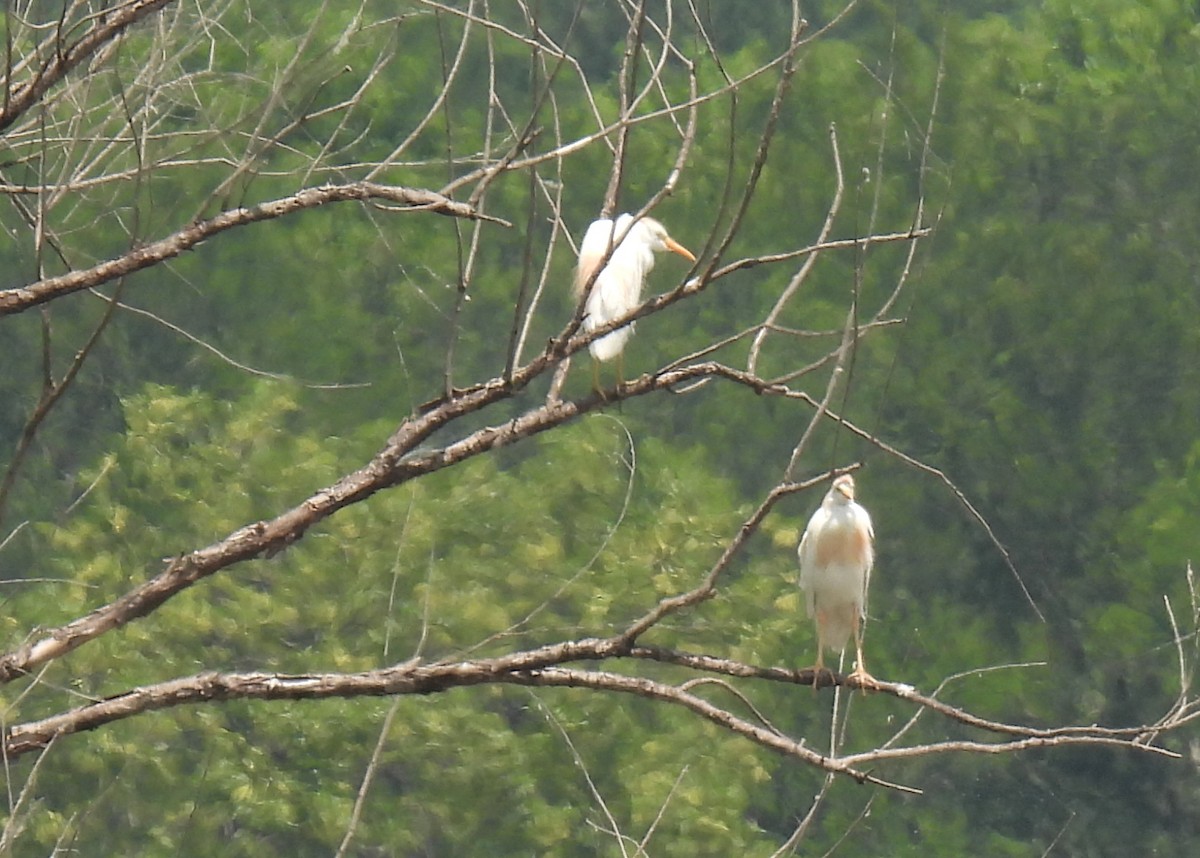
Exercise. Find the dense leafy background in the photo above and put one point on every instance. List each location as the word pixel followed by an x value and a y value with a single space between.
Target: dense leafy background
pixel 1050 365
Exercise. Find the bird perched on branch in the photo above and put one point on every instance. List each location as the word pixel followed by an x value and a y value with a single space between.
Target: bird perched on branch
pixel 617 289
pixel 836 555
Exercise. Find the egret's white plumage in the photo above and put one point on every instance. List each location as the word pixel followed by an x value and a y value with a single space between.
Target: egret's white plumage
pixel 618 287
pixel 836 553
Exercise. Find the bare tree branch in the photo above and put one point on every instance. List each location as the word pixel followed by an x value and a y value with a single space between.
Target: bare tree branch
pixel 409 199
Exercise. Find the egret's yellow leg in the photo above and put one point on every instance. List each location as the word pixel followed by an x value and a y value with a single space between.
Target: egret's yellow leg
pixel 819 667
pixel 866 682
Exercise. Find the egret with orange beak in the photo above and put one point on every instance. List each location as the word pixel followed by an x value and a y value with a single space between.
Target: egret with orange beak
pixel 618 287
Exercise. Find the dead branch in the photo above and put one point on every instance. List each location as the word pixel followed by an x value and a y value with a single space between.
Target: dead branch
pixel 394 465
pixel 548 667
pixel 407 199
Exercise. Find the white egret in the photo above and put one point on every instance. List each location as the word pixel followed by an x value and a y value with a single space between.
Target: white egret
pixel 836 555
pixel 618 286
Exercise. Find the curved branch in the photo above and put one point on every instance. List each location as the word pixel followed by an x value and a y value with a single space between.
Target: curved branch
pixel 393 465
pixel 408 199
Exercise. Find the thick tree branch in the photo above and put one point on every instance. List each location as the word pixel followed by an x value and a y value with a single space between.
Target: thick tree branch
pixel 392 466
pixel 395 464
pixel 545 667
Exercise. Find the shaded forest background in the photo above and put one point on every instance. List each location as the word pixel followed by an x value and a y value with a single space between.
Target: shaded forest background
pixel 1048 363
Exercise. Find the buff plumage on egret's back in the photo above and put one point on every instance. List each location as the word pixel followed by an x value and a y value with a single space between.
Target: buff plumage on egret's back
pixel 837 552
pixel 617 289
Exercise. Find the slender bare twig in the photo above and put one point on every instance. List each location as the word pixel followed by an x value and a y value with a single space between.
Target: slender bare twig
pixel 364 788
pixel 617 520
pixel 613 828
pixel 1059 835
pixel 810 260
pixel 662 810
pixel 626 79
pixel 783 85
pixel 220 355
pixel 801 829
pixel 842 355
pixel 16 809
pixel 706 589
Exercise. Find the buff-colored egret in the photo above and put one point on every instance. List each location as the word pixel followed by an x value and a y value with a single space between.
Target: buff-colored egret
pixel 618 287
pixel 836 555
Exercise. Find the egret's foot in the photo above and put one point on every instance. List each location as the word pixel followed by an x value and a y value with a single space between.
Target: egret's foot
pixel 863 681
pixel 822 676
pixel 598 388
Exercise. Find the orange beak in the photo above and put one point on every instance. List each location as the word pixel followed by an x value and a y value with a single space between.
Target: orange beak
pixel 675 247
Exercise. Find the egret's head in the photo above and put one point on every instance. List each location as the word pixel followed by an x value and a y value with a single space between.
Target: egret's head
pixel 843 488
pixel 656 238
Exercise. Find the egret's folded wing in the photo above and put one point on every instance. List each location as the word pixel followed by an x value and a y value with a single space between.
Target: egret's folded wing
pixel 807 551
pixel 591 251
pixel 864 519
